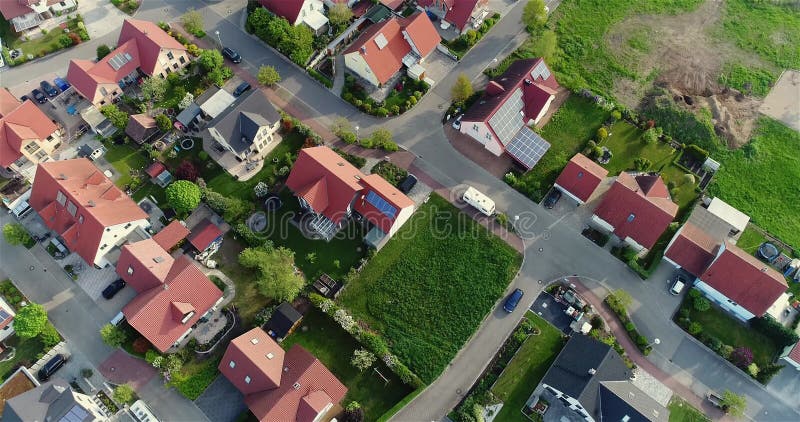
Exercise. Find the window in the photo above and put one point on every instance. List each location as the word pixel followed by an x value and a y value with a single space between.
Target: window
pixel 72 208
pixel 183 60
pixel 175 66
pixel 489 136
pixel 31 147
pixel 232 364
pixel 580 174
pixel 80 218
pixel 247 379
pixel 105 245
pixel 128 225
pixel 475 127
pixel 102 102
pixel 61 198
pixel 103 91
pixel 170 56
pixel 41 154
pixel 130 270
pixel 631 217
pixel 168 70
pixel 49 138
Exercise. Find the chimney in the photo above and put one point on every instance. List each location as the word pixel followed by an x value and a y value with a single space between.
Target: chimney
pixel 90 203
pixel 592 371
pixel 62 176
pixel 296 386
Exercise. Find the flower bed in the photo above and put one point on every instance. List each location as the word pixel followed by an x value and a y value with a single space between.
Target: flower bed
pixel 405 94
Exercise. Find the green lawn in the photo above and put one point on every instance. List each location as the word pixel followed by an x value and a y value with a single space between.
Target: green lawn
pixel 248 300
pixel 761 180
pixel 524 372
pixel 576 121
pixel 125 158
pixel 26 353
pixel 750 240
pixel 39 46
pixel 718 324
pixel 682 411
pixel 334 347
pixel 430 287
pixel 189 84
pixel 196 375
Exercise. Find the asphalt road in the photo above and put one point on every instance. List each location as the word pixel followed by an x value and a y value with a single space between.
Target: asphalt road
pixel 554 247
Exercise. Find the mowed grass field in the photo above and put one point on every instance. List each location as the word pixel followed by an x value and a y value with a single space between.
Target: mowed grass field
pixel 430 287
pixel 762 179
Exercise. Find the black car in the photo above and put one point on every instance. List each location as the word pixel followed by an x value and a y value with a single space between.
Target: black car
pixel 231 55
pixel 39 96
pixel 552 198
pixel 241 89
pixel 407 184
pixel 113 288
pixel 48 88
pixel 24 98
pixel 51 367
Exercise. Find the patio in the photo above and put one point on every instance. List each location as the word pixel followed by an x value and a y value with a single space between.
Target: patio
pixel 241 170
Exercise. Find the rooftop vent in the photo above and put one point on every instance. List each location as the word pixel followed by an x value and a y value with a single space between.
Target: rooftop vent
pixel 270 356
pixel 158 259
pixel 62 176
pixel 528 82
pixel 91 203
pixel 626 418
pixel 592 371
pixel 285 369
pixel 254 340
pixel 296 386
pixel 340 164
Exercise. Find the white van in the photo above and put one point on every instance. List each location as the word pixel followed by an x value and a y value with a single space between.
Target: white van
pixel 478 200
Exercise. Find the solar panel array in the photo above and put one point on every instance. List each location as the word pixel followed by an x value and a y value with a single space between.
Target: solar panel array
pixel 528 147
pixel 384 207
pixel 76 414
pixel 4 315
pixel 541 70
pixel 119 60
pixel 508 119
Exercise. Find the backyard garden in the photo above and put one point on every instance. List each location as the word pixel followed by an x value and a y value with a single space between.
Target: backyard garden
pixel 73 33
pixel 431 322
pixel 402 97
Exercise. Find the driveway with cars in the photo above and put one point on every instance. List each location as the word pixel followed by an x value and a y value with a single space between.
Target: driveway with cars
pixel 553 311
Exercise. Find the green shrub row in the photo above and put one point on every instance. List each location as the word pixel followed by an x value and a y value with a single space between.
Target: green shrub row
pixel 321 78
pixel 295 42
pixel 642 343
pixel 466 41
pixel 396 103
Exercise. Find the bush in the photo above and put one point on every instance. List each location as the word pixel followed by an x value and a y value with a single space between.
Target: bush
pixel 742 357
pixel 781 335
pixel 141 345
pixel 701 304
pixel 202 155
pixel 695 328
pixel 49 336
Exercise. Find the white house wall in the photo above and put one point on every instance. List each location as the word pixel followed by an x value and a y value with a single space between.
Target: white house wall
pixel 112 236
pixel 359 66
pixel 544 109
pixel 602 224
pixel 401 219
pixel 308 6
pixel 785 357
pixel 720 299
pixel 480 132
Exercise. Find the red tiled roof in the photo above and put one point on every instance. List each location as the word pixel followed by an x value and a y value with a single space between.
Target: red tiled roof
pixel 646 199
pixel 155 169
pixel 13 9
pixel 250 356
pixel 458 11
pixel 150 264
pixel 96 198
pixel 745 280
pixel 152 312
pixel 581 176
pixel 392 4
pixel 316 194
pixel 303 378
pixel 203 234
pixel 4 323
pixel 385 62
pixel 170 235
pixel 794 354
pixel 693 249
pixel 19 124
pixel 289 9
pixel 150 40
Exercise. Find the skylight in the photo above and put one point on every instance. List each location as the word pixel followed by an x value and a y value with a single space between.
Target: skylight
pixel 380 41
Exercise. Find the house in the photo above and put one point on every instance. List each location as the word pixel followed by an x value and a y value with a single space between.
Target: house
pixel 171 235
pixel 6 320
pixel 248 131
pixel 580 178
pixel 278 385
pixel 392 4
pixel 142 49
pixel 27 135
pixel 283 321
pixel 330 189
pixel 462 14
pixel 141 128
pixel 571 385
pixel 791 355
pixel 691 249
pixel 309 12
pixel 19 382
pixel 384 48
pixel 519 97
pixel 25 15
pixel 623 401
pixel 206 235
pixel 735 218
pixel 636 210
pixel 53 401
pixel 86 210
pixel 214 102
pixel 173 294
pixel 92 153
pixel 159 175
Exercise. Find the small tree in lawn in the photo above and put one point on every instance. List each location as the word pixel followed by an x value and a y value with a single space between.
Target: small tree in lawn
pixel 602 134
pixel 340 15
pixel 210 60
pixel 534 15
pixel 701 304
pixel 163 122
pixel 117 117
pixel 462 89
pixel 734 404
pixel 268 75
pixel 277 278
pixel 353 411
pixel 192 21
pixel 742 357
pixel 362 359
pixel 102 51
pixel 183 196
pixel 124 393
pixel 16 234
pixel 113 335
pixel 153 89
pixel 30 321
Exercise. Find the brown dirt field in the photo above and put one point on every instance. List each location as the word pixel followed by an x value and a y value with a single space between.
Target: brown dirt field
pixel 686 58
pixel 15 386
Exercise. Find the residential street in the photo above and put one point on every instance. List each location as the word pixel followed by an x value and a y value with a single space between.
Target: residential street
pixel 554 247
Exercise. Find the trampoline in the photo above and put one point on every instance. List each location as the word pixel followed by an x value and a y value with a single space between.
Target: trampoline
pixel 768 251
pixel 187 143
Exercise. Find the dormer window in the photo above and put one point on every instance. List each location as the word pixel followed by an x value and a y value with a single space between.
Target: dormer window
pixel 631 217
pixel 247 379
pixel 232 364
pixel 130 270
pixel 187 317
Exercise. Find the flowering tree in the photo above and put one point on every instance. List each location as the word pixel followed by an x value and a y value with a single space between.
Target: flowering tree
pixel 742 357
pixel 346 321
pixel 362 359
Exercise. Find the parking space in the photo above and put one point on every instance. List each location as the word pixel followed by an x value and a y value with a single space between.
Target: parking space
pixel 221 401
pixel 552 311
pixel 438 65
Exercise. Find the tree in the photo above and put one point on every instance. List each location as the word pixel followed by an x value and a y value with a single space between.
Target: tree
pixel 381 137
pixel 340 15
pixel 277 279
pixel 183 196
pixel 30 321
pixel 187 99
pixel 113 335
pixel 651 135
pixel 341 126
pixel 102 51
pixel 602 134
pixel 219 75
pixel 624 298
pixel 65 41
pixel 210 60
pixel 353 412
pixel 153 89
pixel 462 89
pixel 192 21
pixel 742 357
pixel 362 359
pixel 268 76
pixel 117 117
pixel 124 394
pixel 163 122
pixel 534 15
pixel 49 336
pixel 546 46
pixel 16 234
pixel 733 403
pixel 187 171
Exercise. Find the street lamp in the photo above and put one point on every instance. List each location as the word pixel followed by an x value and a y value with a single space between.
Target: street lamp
pixel 219 39
pixel 356 128
pixel 655 342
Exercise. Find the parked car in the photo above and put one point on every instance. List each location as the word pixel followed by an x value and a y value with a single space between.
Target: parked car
pixel 407 184
pixel 62 84
pixel 113 288
pixel 24 98
pixel 39 96
pixel 232 55
pixel 678 285
pixel 513 300
pixel 241 89
pixel 48 88
pixel 51 367
pixel 552 198
pixel 457 122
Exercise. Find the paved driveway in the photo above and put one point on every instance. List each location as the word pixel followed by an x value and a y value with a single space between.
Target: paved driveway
pixel 552 311
pixel 221 402
pixel 122 368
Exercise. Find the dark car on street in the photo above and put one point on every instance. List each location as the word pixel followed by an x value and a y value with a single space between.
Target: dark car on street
pixel 513 300
pixel 51 367
pixel 39 96
pixel 113 288
pixel 48 88
pixel 232 55
pixel 552 198
pixel 241 89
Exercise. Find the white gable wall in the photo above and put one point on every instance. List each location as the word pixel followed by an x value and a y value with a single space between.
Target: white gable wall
pixel 480 132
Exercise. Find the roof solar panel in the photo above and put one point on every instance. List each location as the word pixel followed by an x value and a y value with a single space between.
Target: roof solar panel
pixel 508 119
pixel 384 207
pixel 541 70
pixel 527 147
pixel 4 315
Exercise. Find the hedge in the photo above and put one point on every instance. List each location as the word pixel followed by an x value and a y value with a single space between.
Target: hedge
pixel 642 343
